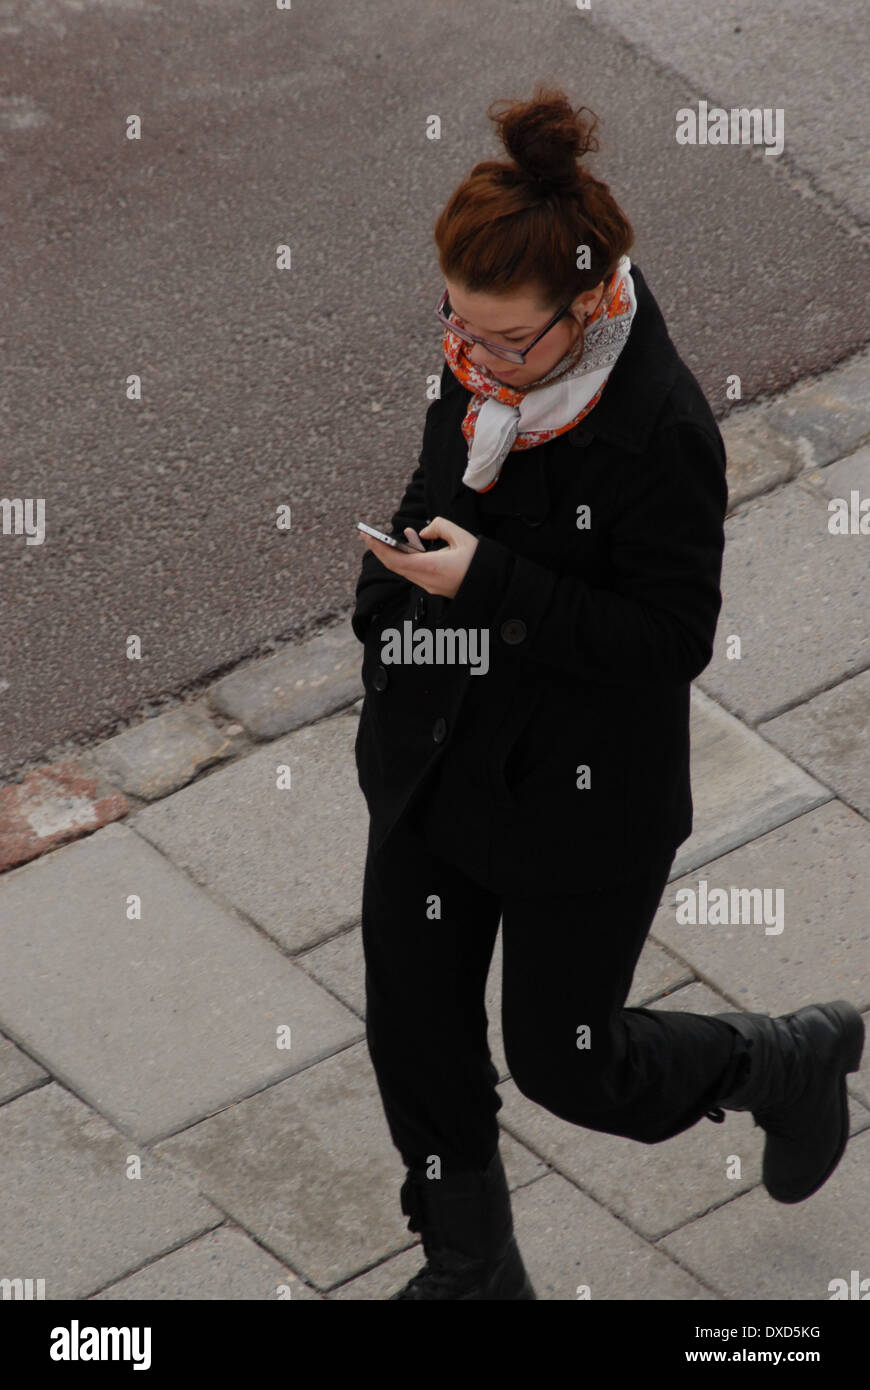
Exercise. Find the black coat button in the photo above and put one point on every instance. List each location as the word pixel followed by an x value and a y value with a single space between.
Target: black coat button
pixel 513 631
pixel 380 679
pixel 533 520
pixel 439 729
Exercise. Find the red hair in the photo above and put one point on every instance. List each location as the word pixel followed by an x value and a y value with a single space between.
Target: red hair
pixel 512 225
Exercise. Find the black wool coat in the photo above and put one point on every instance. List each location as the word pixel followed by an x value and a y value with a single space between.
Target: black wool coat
pixel 568 760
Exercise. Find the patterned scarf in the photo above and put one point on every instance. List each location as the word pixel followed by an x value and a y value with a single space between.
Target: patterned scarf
pixel 501 417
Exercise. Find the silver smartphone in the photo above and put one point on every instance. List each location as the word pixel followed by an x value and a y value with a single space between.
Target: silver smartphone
pixel 404 546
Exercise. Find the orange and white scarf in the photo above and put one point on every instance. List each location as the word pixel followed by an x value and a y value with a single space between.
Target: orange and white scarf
pixel 501 417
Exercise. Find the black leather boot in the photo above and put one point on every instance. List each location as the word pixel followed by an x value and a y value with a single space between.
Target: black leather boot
pixel 467 1231
pixel 795 1086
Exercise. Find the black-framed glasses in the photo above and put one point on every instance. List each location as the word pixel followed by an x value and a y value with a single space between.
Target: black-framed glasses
pixel 443 309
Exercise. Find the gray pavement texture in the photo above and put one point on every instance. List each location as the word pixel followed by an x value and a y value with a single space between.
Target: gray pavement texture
pixel 187 1105
pixel 189 1109
pixel 264 388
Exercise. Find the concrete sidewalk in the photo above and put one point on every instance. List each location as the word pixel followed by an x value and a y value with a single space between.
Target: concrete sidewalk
pixel 189 1110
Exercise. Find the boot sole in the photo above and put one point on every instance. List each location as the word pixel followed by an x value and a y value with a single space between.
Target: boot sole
pixel 847 1018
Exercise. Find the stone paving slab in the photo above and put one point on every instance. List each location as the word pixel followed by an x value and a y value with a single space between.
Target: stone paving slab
pixel 838 479
pixel 657 973
pixel 308 1167
pixel 810 427
pixel 162 754
pixel 828 415
pixel 18 1072
pixel 69 1214
pixel 222 1264
pixel 51 806
pixel 567 1241
pixel 796 595
pixel 339 965
pixel 830 737
pixel 172 1016
pixel 384 1279
pixel 741 787
pixel 291 858
pixel 756 1248
pixel 306 681
pixel 759 456
pixel 821 862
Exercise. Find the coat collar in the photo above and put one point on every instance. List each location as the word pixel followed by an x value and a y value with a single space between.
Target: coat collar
pixel 624 417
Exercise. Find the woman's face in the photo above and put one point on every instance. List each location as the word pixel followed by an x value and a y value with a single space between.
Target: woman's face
pixel 512 321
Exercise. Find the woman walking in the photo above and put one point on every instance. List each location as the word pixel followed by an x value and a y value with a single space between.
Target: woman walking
pixel 523 745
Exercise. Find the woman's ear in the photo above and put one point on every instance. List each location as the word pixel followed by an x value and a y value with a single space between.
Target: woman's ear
pixel 585 304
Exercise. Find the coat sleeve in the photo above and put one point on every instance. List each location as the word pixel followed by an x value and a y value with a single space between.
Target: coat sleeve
pixel 657 621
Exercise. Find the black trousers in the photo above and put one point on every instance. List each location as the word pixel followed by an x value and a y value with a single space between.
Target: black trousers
pixel 568 960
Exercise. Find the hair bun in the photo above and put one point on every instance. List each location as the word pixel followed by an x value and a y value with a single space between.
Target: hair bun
pixel 546 137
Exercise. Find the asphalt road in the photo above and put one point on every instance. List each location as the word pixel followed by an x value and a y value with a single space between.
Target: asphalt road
pixel 306 387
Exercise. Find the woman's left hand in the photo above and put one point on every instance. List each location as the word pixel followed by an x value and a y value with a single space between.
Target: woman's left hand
pixel 436 571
